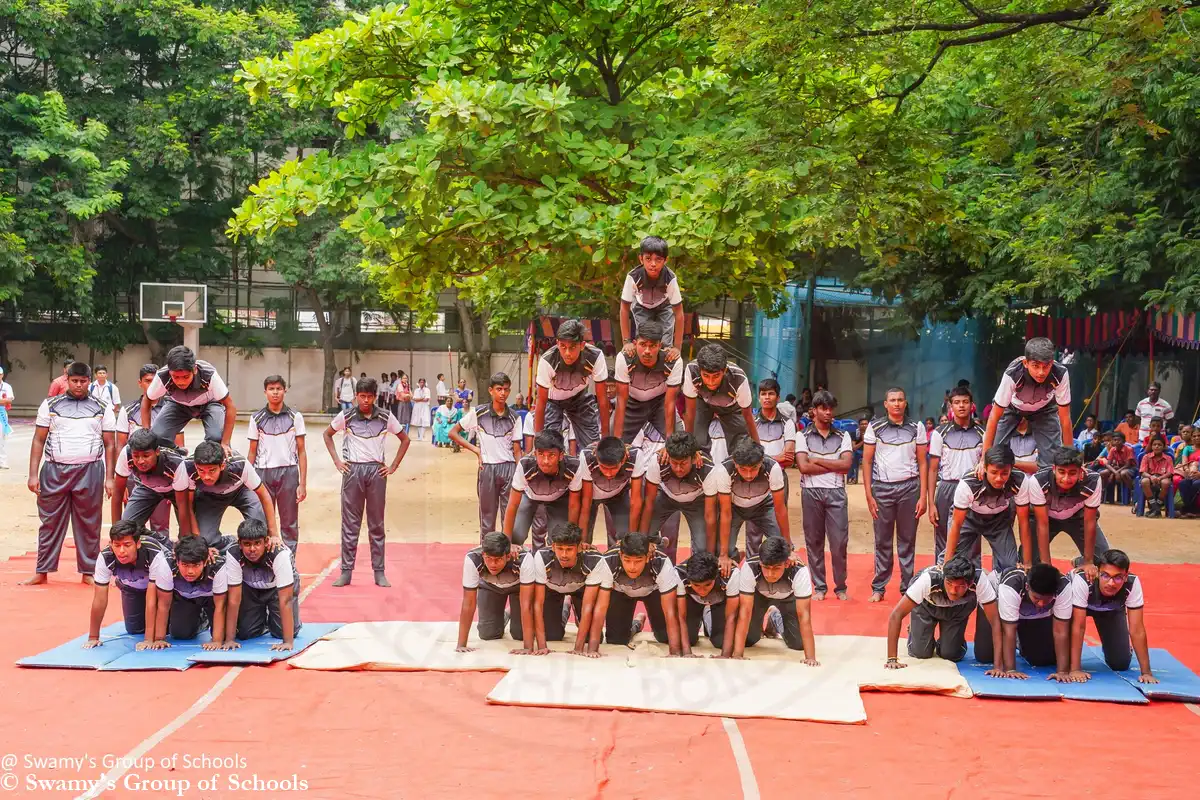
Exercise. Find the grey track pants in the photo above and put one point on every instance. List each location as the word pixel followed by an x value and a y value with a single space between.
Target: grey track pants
pixel 283 483
pixel 145 505
pixel 825 516
pixel 943 500
pixel 761 516
pixel 665 521
pixel 1113 627
pixel 1074 528
pixel 896 524
pixel 364 493
pixel 1043 424
pixel 1035 641
pixel 493 485
pixel 713 621
pixel 490 606
pixel 556 513
pixel 999 535
pixel 74 494
pixel 663 314
pixel 190 616
pixel 732 423
pixel 616 521
pixel 791 622
pixel 618 623
pixel 582 411
pixel 951 624
pixel 259 613
pixel 210 508
pixel 172 417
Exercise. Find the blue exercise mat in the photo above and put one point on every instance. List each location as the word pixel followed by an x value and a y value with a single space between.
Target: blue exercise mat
pixel 1104 686
pixel 72 655
pixel 258 651
pixel 1175 681
pixel 1033 688
pixel 174 657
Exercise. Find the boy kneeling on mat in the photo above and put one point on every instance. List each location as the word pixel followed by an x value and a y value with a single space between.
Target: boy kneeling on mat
pixel 494 576
pixel 628 574
pixel 771 580
pixel 135 558
pixel 561 572
pixel 199 599
pixel 1114 602
pixel 705 598
pixel 1035 610
pixel 264 587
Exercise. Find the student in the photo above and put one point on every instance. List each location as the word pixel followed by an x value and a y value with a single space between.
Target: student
pixel 1088 434
pixel 1156 471
pixel 210 482
pixel 749 490
pixel 442 391
pixel 193 390
pixel 1116 462
pixel 1025 448
pixel 704 597
pixel 545 479
pixel 562 571
pixel 651 294
pixel 1035 608
pixel 135 559
pixel 105 390
pixel 857 436
pixel 611 474
pixel 1036 388
pixel 422 417
pixel 1114 601
pixel 199 595
pixel 770 579
pixel 1156 429
pixel 1072 506
pixel 985 507
pixel 940 601
pixel 365 470
pixel 495 577
pixel 6 400
pixel 823 457
pixel 954 449
pixel 896 481
pixel 127 420
pixel 498 431
pixel 277 451
pixel 647 383
pixel 153 471
pixel 571 443
pixel 630 573
pixel 264 587
pixel 74 431
pixel 686 485
pixel 776 433
pixel 714 389
pixel 564 375
pixel 59 385
pixel 343 390
pixel 1151 407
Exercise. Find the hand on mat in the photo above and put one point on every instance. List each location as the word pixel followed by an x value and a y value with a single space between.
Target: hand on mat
pixel 1007 673
pixel 520 651
pixel 1147 678
pixel 872 506
pixel 894 665
pixel 211 646
pixel 811 662
pixel 1061 677
pixel 161 644
pixel 724 562
pixel 541 651
pixel 587 653
pixel 281 647
pixel 90 643
pixel 1080 676
pixel 231 645
pixel 464 649
pixel 341 466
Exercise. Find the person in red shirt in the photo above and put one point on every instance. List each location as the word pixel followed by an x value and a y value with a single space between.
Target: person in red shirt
pixel 1156 468
pixel 1116 462
pixel 59 385
pixel 1156 429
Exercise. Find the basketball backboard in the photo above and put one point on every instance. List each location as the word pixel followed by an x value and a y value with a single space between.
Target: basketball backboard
pixel 183 303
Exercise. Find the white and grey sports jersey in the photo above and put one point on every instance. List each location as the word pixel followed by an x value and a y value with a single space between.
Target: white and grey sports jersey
pixel 650 439
pixel 812 442
pixel 161 479
pixel 127 421
pixel 75 428
pixel 496 432
pixel 1024 447
pixel 568 432
pixel 151 565
pixel 275 570
pixel 206 386
pixel 549 572
pixel 796 582
pixel 648 292
pixel 958 449
pixel 722 587
pixel 701 481
pixel 214 580
pixel 895 448
pixel 604 487
pixel 658 574
pixel 276 435
pixel 1089 596
pixel 774 434
pixel 562 381
pixel 1014 603
pixel 543 488
pixel 1086 493
pixel 236 473
pixel 930 587
pixel 516 571
pixel 749 494
pixel 731 394
pixel 978 497
pixel 718 446
pixel 1019 390
pixel 365 436
pixel 647 383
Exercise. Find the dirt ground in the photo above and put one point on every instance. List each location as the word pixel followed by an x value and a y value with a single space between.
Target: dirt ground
pixel 432 499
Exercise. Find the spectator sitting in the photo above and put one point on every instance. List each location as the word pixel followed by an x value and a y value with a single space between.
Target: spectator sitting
pixel 1116 462
pixel 1088 435
pixel 1129 426
pixel 1181 439
pixel 1187 477
pixel 1156 469
pixel 1156 429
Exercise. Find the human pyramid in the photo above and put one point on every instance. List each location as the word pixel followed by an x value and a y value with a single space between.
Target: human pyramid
pixel 643 465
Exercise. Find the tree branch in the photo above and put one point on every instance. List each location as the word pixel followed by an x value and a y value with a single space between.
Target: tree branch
pixel 982 18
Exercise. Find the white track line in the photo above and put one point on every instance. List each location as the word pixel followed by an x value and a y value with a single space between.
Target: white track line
pixel 742 759
pixel 1192 708
pixel 149 743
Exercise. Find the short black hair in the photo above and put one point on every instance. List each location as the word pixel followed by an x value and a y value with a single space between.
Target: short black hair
pixel 1117 435
pixel 702 567
pixel 495 544
pixel 964 383
pixel 824 398
pixel 147 369
pixel 1159 420
pixel 768 385
pixel 142 440
pixel 127 527
pixel 1156 385
pixel 440 375
pixel 893 390
pixel 747 452
pixel 99 367
pixel 774 550
pixel 366 386
pixel 1066 457
pixel 1156 437
pixel 999 455
pixel 78 369
pixel 191 550
pixel 549 440
pixel 208 453
pixel 653 246
pixel 961 391
pixel 68 361
pixel 180 359
pixel 499 379
pixel 681 444
pixel 635 544
pixel 267 381
pixel 251 529
pixel 609 451
pixel 711 358
pixel 1039 349
pixel 1116 558
pixel 567 533
pixel 570 330
pixel 1043 578
pixel 650 330
pixel 791 398
pixel 958 569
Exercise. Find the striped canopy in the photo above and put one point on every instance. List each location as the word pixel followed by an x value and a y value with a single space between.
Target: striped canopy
pixel 1106 330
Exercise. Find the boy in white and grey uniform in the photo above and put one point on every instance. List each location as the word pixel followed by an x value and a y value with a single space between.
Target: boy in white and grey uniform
pixel 611 476
pixel 495 577
pixel 651 295
pixel 497 428
pixel 985 507
pixel 75 434
pixel 193 390
pixel 770 579
pixel 277 451
pixel 776 432
pixel 103 389
pixel 647 383
pixel 941 600
pixel 1073 496
pixel 955 448
pixel 565 375
pixel 264 586
pixel 749 490
pixel 1114 601
pixel 714 389
pixel 548 479
pixel 364 475
pixel 130 415
pixel 135 559
pixel 824 455
pixel 153 470
pixel 630 573
pixel 208 483
pixel 199 591
pixel 686 485
pixel 561 571
pixel 1025 448
pixel 706 599
pixel 1035 610
pixel 1036 388
pixel 895 479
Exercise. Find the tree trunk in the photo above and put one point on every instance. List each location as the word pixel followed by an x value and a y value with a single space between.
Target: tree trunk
pixel 326 327
pixel 478 345
pixel 614 318
pixel 158 352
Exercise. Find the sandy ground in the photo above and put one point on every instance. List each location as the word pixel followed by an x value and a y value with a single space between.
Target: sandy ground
pixel 431 498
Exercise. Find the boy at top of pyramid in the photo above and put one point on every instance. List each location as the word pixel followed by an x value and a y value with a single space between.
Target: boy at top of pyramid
pixel 651 292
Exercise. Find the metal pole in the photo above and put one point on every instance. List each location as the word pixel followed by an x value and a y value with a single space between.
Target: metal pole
pixel 806 340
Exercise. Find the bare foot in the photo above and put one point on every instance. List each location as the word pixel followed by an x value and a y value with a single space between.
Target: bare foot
pixel 37 580
pixel 818 595
pixel 841 594
pixel 876 597
pixel 87 580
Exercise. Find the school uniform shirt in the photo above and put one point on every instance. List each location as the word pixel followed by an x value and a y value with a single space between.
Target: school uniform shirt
pixel 365 435
pixel 76 428
pixel 562 381
pixel 516 572
pixel 812 442
pixel 206 387
pixel 1070 503
pixel 276 570
pixel 152 565
pixel 213 581
pixel 1147 410
pixel 1088 595
pixel 1020 391
pixel 722 587
pixel 718 447
pixel 1120 458
pixel 647 383
pixel 979 498
pixel 787 409
pixel 604 487
pixel 441 390
pixel 930 587
pixel 895 448
pixel 543 488
pixel 549 572
pixel 749 494
pixel 567 431
pixel 1156 466
pixel 1014 604
pixel 774 434
pixel 700 482
pixel 238 472
pixel 733 392
pixel 496 432
pixel 276 435
pixel 647 292
pixel 106 393
pixel 127 421
pixel 658 574
pixel 958 449
pixel 1024 448
pixel 161 479
pixel 794 584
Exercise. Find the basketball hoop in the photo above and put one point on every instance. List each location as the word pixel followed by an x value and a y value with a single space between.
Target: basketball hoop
pixel 172 318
